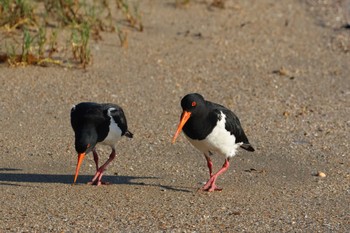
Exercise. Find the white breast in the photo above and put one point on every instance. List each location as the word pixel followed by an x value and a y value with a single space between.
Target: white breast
pixel 218 141
pixel 114 133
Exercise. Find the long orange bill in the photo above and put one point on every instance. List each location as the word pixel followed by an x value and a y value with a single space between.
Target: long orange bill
pixel 80 160
pixel 185 116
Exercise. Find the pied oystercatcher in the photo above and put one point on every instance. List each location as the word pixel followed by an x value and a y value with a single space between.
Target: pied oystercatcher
pixel 94 124
pixel 211 128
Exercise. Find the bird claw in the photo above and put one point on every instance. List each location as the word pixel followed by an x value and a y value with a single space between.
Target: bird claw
pixel 98 183
pixel 215 189
pixel 210 189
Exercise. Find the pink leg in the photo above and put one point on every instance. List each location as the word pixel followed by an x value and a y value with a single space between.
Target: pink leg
pixel 210 186
pixel 210 164
pixel 98 176
pixel 95 158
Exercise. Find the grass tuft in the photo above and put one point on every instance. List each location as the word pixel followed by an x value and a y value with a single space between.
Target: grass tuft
pixel 32 30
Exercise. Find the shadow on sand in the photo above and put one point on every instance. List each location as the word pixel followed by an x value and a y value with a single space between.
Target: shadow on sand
pixel 7 177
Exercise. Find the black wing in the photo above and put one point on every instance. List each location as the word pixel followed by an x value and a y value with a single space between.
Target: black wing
pixel 90 116
pixel 118 116
pixel 84 113
pixel 233 125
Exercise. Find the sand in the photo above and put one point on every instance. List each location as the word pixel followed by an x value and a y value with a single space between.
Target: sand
pixel 282 66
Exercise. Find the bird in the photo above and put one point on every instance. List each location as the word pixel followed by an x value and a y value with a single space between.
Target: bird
pixel 94 124
pixel 211 128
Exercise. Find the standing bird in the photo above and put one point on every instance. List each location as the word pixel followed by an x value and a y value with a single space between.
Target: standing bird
pixel 210 128
pixel 94 124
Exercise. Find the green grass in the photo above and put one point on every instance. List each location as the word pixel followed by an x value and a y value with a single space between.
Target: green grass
pixel 80 40
pixel 33 31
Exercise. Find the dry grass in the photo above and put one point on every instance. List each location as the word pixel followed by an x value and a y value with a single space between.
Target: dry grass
pixel 31 31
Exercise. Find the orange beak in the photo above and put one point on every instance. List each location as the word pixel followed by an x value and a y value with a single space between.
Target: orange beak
pixel 185 116
pixel 80 160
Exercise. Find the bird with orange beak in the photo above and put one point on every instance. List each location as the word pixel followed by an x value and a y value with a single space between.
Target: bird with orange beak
pixel 95 124
pixel 211 128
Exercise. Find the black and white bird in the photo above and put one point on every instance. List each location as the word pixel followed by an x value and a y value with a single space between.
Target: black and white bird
pixel 95 124
pixel 211 128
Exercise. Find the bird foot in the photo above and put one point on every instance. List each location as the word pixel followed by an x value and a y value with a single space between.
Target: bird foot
pixel 214 188
pixel 98 183
pixel 210 188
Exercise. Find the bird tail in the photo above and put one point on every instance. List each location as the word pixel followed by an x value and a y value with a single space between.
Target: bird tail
pixel 247 147
pixel 129 134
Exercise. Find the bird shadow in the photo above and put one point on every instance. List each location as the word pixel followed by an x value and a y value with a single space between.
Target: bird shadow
pixel 67 179
pixel 13 179
pixel 9 169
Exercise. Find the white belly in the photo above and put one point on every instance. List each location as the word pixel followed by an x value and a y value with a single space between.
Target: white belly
pixel 114 134
pixel 218 141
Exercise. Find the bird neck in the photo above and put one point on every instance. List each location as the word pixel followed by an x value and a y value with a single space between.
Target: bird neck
pixel 86 136
pixel 199 125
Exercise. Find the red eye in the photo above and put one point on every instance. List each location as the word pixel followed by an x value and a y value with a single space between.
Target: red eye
pixel 194 104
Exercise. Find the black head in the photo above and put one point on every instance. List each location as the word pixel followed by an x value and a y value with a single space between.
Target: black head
pixel 193 105
pixel 86 119
pixel 85 140
pixel 192 102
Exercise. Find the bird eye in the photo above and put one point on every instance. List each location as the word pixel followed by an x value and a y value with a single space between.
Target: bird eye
pixel 194 104
pixel 88 145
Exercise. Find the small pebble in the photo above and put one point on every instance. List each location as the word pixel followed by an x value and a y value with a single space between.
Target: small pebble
pixel 321 174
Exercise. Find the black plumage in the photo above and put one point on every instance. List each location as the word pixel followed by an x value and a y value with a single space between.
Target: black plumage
pixel 93 124
pixel 204 117
pixel 211 128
